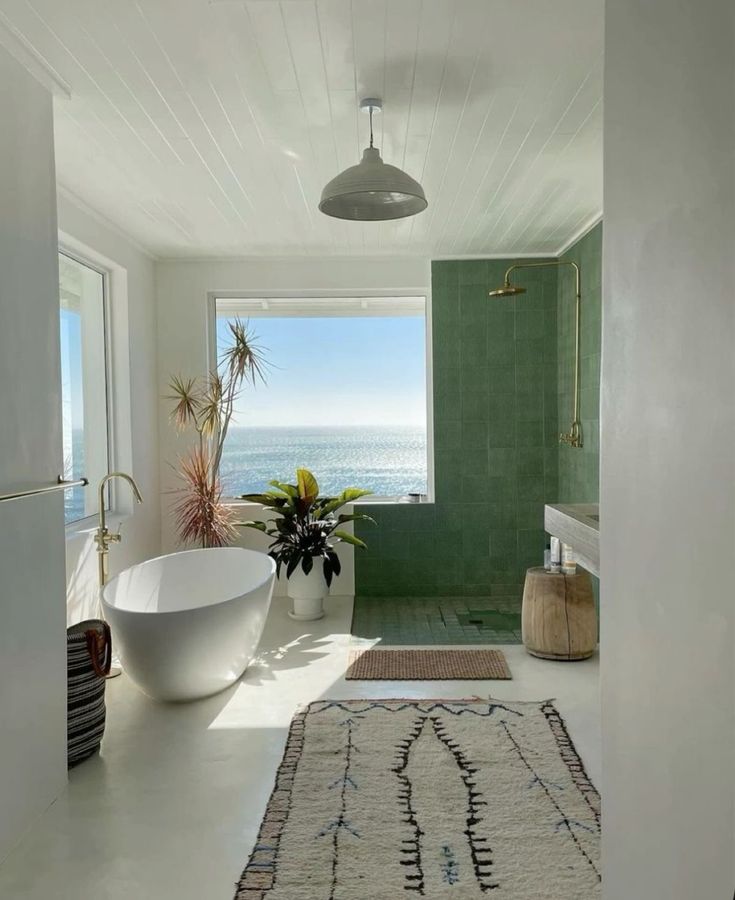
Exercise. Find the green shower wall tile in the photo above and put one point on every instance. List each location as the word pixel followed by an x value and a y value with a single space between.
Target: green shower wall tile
pixel 501 350
pixel 530 433
pixel 473 435
pixel 422 545
pixel 502 408
pixel 474 378
pixel 531 487
pixel 474 405
pixel 501 379
pixel 503 541
pixel 529 324
pixel 501 435
pixel 530 461
pixel 475 542
pixel 502 461
pixel 470 271
pixel 530 405
pixel 500 326
pixel 530 351
pixel 447 436
pixel 473 463
pixel 530 514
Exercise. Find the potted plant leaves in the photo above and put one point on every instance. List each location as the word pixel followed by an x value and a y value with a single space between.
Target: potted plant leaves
pixel 305 530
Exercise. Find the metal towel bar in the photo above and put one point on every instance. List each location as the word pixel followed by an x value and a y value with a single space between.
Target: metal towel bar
pixel 60 485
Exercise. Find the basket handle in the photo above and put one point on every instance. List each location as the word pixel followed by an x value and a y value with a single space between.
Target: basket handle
pixel 100 645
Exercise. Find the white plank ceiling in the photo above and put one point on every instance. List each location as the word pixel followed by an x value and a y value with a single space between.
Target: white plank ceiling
pixel 207 128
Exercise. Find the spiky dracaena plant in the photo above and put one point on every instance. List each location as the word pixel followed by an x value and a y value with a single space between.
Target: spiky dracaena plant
pixel 207 406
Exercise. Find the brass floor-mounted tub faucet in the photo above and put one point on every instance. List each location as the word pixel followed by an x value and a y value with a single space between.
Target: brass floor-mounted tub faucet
pixel 103 536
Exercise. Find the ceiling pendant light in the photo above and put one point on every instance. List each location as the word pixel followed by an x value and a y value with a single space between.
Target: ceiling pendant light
pixel 372 191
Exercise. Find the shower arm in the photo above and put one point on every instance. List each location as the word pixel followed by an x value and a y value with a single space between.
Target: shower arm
pixel 574 436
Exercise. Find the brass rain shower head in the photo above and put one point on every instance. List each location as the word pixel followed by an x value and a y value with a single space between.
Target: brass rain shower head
pixel 507 290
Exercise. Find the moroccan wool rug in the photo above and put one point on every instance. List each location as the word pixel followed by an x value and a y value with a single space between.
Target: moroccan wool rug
pixel 383 799
pixel 426 665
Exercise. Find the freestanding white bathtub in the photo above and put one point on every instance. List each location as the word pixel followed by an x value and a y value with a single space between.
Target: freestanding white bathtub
pixel 188 624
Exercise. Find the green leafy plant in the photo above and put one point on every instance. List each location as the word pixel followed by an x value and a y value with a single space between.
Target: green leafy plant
pixel 306 527
pixel 206 406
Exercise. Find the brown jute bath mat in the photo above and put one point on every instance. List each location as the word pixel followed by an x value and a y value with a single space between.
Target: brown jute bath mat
pixel 427 665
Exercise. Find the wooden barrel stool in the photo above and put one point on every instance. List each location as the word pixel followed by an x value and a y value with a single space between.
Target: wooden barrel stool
pixel 559 620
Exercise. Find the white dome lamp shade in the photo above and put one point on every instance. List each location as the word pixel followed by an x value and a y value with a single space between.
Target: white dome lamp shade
pixel 372 191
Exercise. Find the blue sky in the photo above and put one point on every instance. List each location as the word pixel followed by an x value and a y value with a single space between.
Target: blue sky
pixel 338 371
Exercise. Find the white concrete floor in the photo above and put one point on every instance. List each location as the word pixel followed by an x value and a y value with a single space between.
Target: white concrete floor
pixel 172 806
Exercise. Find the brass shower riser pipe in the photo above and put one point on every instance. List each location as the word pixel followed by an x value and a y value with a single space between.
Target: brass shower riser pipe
pixel 574 436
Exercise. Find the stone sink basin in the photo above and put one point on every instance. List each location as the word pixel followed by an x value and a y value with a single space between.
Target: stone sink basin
pixel 577 524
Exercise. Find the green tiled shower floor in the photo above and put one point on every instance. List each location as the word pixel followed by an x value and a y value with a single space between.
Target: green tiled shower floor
pixel 438 620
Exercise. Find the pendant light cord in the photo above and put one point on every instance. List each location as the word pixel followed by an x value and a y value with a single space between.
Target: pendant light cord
pixel 371 127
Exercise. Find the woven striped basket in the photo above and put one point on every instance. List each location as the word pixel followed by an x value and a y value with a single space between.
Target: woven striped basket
pixel 88 656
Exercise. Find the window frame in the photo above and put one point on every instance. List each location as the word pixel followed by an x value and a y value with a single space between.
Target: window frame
pixel 333 294
pixel 64 249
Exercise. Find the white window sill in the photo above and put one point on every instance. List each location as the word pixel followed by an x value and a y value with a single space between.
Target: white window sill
pixel 398 501
pixel 236 503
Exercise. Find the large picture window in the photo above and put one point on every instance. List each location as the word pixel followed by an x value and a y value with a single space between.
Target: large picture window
pixel 83 382
pixel 345 395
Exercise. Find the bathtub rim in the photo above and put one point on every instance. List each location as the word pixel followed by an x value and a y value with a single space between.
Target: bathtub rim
pixel 176 612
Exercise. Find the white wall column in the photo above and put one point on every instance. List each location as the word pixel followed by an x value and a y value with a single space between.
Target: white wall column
pixel 668 451
pixel 32 605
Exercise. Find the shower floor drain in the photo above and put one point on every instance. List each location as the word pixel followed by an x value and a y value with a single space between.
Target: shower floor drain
pixel 489 620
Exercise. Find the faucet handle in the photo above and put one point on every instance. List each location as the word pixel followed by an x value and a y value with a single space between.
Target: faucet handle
pixel 103 537
pixel 573 437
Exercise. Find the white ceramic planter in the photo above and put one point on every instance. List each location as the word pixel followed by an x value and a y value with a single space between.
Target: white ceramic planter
pixel 308 592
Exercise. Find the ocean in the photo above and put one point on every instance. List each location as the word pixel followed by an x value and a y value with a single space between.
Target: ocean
pixel 389 461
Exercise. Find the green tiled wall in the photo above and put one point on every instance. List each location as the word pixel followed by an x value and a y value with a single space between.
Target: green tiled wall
pixel 495 444
pixel 579 470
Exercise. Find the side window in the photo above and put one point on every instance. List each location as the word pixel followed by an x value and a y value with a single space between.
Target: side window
pixel 84 388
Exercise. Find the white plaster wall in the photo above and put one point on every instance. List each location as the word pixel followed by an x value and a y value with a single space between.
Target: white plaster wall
pixel 132 330
pixel 183 288
pixel 32 619
pixel 668 451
